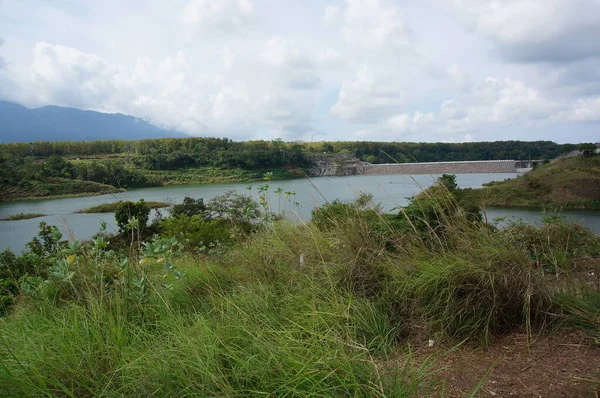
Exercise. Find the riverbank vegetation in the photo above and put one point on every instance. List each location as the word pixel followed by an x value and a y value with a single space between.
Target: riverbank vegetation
pixel 570 183
pixel 112 207
pixel 55 169
pixel 227 298
pixel 22 216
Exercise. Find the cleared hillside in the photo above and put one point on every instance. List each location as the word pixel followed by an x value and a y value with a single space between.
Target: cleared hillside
pixel 572 183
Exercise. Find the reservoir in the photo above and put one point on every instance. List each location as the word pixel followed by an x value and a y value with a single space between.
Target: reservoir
pixel 390 191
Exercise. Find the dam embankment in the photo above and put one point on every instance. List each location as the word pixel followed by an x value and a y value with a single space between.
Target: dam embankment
pixel 483 166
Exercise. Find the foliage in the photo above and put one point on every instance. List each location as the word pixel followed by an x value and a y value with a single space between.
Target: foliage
pixel 432 214
pixel 112 207
pixel 197 233
pixel 233 206
pixel 322 308
pixel 556 244
pixel 189 207
pixel 127 211
pixel 587 149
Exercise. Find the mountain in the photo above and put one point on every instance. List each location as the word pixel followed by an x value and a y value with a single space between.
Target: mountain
pixel 55 123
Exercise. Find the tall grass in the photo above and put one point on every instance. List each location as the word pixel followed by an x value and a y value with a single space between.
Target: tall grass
pixel 326 308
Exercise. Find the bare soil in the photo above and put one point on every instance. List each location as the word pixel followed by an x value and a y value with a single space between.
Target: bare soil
pixel 566 365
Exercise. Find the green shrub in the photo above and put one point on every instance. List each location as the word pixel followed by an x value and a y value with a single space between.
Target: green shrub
pixel 190 207
pixel 127 211
pixel 197 232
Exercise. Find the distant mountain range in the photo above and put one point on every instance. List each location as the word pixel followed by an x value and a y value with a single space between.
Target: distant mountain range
pixel 55 123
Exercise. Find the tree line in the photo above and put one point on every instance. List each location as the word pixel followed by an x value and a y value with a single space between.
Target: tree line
pixel 122 163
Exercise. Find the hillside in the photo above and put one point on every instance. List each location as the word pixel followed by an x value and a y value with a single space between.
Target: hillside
pixel 54 123
pixel 571 183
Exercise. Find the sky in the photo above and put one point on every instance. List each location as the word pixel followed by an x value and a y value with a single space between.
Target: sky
pixel 377 70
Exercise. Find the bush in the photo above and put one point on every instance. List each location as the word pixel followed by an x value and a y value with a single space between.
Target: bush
pixel 197 232
pixel 190 207
pixel 127 211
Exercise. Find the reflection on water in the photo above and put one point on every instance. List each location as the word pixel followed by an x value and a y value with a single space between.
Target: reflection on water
pixel 389 190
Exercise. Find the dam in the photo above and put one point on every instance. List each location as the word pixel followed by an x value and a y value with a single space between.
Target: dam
pixel 481 166
pixel 346 165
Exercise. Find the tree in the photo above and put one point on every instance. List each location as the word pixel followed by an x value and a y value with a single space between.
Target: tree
pixel 127 211
pixel 587 149
pixel 190 207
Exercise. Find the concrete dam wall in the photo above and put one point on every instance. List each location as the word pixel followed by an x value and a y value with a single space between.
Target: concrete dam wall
pixel 345 165
pixel 484 166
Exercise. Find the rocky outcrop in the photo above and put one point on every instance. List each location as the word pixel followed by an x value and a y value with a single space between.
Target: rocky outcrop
pixel 338 164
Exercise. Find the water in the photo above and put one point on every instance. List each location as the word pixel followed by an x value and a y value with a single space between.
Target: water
pixel 389 190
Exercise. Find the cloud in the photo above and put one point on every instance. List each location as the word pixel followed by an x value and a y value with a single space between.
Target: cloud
pixel 2 61
pixel 492 103
pixel 367 98
pixel 331 14
pixel 375 24
pixel 385 69
pixel 225 16
pixel 584 110
pixel 538 31
pixel 173 94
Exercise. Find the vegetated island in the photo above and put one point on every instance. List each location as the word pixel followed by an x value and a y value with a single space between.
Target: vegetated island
pixel 22 216
pixel 569 183
pixel 45 170
pixel 112 207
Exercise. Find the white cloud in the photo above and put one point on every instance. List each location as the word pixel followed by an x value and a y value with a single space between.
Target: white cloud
pixel 367 98
pixel 331 14
pixel 375 24
pixel 173 94
pixel 384 69
pixel 534 30
pixel 492 103
pixel 227 16
pixel 583 110
pixel 2 61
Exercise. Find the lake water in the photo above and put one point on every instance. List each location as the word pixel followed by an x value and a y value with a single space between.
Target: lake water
pixel 389 190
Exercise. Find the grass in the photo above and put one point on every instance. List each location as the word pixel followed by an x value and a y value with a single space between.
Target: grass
pixel 318 309
pixel 22 216
pixel 112 207
pixel 571 183
pixel 211 175
pixel 54 189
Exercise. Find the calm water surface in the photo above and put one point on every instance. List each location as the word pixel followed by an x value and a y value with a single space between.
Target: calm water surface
pixel 389 190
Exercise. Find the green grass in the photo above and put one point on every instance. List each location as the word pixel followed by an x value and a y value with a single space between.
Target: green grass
pixel 572 183
pixel 22 216
pixel 112 207
pixel 54 189
pixel 210 175
pixel 319 309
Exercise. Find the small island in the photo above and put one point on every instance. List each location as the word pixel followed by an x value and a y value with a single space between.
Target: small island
pixel 112 207
pixel 22 216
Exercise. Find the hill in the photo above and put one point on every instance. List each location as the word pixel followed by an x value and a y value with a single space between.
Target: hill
pixel 570 183
pixel 55 123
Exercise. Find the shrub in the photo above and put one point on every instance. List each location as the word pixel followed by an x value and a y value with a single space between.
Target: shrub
pixel 127 211
pixel 190 207
pixel 197 232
